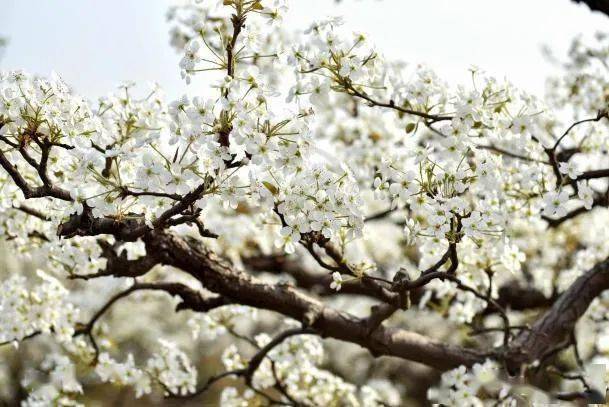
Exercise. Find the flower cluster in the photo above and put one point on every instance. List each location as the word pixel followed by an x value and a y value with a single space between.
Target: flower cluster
pixel 62 384
pixel 202 31
pixel 388 176
pixel 461 386
pixel 582 88
pixel 123 373
pixel 26 310
pixel 295 363
pixel 170 368
pixel 219 321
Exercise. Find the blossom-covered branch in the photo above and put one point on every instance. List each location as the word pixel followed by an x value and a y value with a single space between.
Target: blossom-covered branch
pixel 314 189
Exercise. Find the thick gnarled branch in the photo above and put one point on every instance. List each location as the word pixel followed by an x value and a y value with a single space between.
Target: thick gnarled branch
pixel 241 288
pixel 556 325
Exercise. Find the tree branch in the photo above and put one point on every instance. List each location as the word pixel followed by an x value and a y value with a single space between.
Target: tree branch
pixel 556 325
pixel 191 299
pixel 243 289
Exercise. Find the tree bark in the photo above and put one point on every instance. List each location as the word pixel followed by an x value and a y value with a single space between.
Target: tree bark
pixel 554 328
pixel 241 288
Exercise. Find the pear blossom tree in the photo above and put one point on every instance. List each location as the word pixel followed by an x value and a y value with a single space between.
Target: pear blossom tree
pixel 344 229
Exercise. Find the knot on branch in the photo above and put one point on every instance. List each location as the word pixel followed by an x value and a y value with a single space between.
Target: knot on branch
pixel 85 224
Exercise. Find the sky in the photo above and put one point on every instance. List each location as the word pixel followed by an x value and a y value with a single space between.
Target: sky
pixel 94 45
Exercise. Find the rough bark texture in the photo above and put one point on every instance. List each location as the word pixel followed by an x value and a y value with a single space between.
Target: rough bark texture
pixel 549 333
pixel 556 325
pixel 551 330
pixel 242 288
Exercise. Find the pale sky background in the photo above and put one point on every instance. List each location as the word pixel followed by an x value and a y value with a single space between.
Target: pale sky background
pixel 96 44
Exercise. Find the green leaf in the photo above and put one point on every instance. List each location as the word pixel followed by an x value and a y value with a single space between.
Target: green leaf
pixel 272 188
